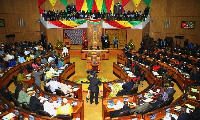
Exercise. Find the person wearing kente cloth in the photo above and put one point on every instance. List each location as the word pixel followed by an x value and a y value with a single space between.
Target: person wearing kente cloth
pixel 94 88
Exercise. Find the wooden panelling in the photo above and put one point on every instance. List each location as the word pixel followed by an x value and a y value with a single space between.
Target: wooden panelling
pixel 146 30
pixel 54 35
pixel 136 36
pixel 175 11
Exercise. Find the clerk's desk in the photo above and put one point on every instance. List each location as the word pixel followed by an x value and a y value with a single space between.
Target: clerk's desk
pixel 103 54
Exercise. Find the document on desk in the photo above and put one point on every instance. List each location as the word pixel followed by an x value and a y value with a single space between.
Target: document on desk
pixel 60 71
pixel 62 68
pixel 155 73
pixel 75 89
pixel 148 100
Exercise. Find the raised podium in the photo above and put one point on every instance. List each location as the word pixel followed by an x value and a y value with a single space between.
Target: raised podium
pixel 94 62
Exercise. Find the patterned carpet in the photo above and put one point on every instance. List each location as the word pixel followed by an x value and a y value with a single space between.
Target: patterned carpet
pixel 85 83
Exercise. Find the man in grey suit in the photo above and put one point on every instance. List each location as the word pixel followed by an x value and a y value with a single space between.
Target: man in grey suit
pixel 115 41
pixel 37 74
pixel 170 90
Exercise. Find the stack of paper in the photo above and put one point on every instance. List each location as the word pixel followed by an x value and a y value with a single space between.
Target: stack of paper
pixel 8 116
pixel 190 106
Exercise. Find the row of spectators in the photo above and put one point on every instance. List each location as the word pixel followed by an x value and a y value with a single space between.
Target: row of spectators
pixel 74 15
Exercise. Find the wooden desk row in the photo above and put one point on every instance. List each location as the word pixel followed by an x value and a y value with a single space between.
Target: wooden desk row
pixel 70 70
pixel 160 113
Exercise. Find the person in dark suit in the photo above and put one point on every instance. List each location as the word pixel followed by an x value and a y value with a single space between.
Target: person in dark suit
pixel 183 115
pixel 170 90
pixel 140 108
pixel 35 104
pixel 103 41
pixel 94 88
pixel 116 113
pixel 128 85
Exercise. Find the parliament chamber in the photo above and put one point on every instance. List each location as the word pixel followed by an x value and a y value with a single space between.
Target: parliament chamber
pixel 144 53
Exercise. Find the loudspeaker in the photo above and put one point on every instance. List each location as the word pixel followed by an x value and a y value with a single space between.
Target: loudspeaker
pixel 11 35
pixel 179 37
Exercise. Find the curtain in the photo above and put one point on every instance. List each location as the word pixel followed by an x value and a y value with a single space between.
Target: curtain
pixel 99 4
pixel 53 2
pixel 124 2
pixel 115 24
pixel 104 7
pixel 59 24
pixel 84 7
pixel 136 2
pixel 79 4
pixel 40 2
pixel 89 5
pixel 94 7
pixel 148 2
pixel 64 2
pixel 112 7
pixel 108 5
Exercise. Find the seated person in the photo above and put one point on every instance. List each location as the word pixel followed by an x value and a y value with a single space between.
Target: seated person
pixel 23 96
pixel 48 74
pixel 65 108
pixel 53 69
pixel 50 107
pixel 128 85
pixel 139 109
pixel 60 63
pixel 164 94
pixel 21 59
pixel 183 115
pixel 35 64
pixel 116 113
pixel 170 90
pixel 5 94
pixel 11 63
pixel 53 84
pixel 28 58
pixel 43 60
pixel 35 104
pixel 21 77
pixel 51 59
pixel 67 89
pixel 156 67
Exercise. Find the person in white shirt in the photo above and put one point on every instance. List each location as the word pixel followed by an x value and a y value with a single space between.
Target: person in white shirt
pixel 53 85
pixel 26 52
pixel 52 70
pixel 67 89
pixel 65 51
pixel 10 56
pixel 49 107
pixel 51 59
